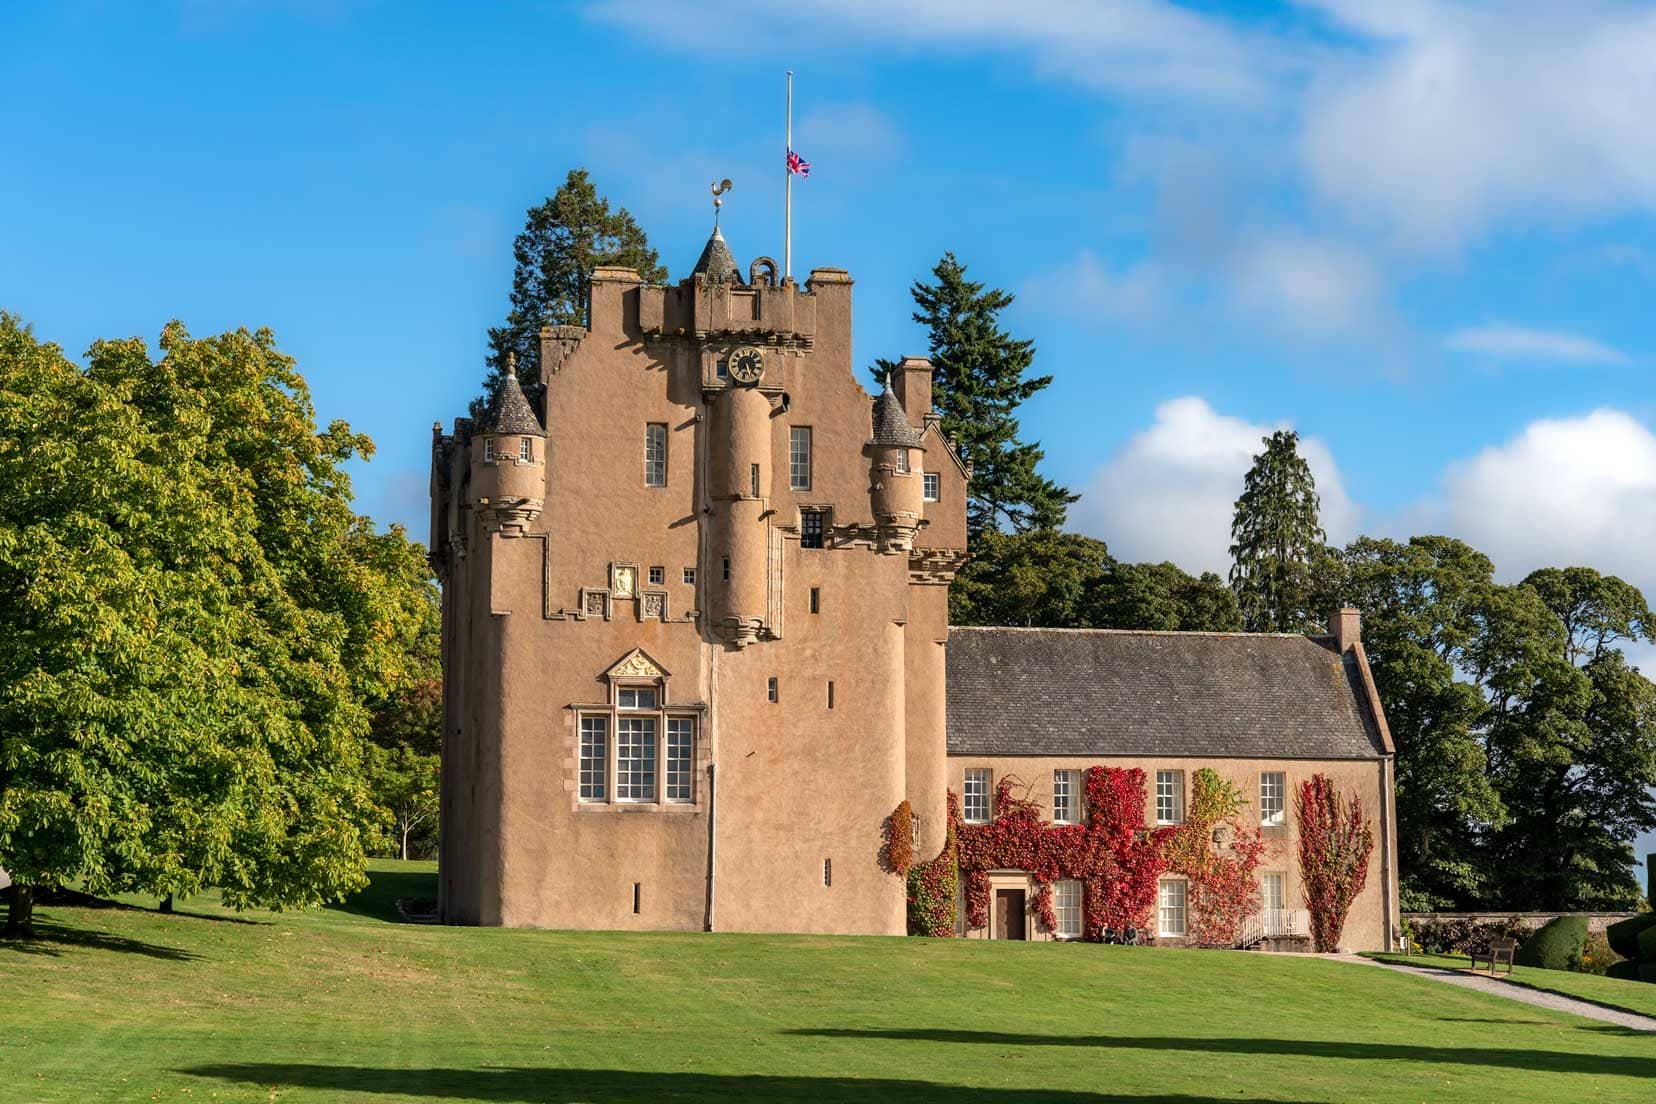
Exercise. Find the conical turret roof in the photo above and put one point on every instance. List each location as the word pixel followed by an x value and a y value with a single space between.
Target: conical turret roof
pixel 716 263
pixel 891 425
pixel 509 410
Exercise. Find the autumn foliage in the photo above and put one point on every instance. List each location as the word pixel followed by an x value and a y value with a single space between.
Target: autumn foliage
pixel 1335 841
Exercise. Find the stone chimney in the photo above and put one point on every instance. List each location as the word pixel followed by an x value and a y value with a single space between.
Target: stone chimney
pixel 1345 625
pixel 911 382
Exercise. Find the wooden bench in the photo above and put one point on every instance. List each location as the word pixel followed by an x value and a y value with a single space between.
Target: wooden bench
pixel 1499 951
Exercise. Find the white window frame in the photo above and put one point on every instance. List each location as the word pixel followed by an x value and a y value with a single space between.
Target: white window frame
pixel 1065 790
pixel 975 791
pixel 689 576
pixel 931 486
pixel 799 458
pixel 1066 907
pixel 1273 799
pixel 488 450
pixel 680 760
pixel 635 758
pixel 1172 907
pixel 1280 881
pixel 902 461
pixel 1170 803
pixel 526 452
pixel 655 454
pixel 594 758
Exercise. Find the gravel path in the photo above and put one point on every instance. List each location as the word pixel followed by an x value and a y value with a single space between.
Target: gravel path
pixel 1511 991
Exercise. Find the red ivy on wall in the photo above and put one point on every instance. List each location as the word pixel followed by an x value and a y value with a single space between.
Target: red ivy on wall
pixel 1114 855
pixel 933 884
pixel 1223 889
pixel 1335 841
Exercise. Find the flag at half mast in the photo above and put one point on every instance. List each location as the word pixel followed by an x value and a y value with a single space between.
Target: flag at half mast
pixel 798 165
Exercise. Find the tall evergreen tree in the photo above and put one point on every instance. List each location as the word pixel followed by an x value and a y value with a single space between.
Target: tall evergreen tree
pixel 573 232
pixel 978 382
pixel 1276 537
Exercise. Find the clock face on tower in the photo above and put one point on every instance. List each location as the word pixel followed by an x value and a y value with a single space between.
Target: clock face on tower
pixel 746 365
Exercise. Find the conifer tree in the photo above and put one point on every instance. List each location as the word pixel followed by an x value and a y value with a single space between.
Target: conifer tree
pixel 1276 536
pixel 978 382
pixel 573 232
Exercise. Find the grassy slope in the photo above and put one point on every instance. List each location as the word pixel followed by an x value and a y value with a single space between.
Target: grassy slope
pixel 1630 996
pixel 342 1005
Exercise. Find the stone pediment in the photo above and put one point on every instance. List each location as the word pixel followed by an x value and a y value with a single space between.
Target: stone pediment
pixel 636 664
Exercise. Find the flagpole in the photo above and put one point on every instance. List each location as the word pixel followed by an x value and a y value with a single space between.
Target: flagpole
pixel 787 203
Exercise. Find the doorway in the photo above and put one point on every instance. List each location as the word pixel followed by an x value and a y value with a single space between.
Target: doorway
pixel 1009 914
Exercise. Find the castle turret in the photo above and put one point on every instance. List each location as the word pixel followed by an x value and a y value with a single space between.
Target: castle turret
pixel 739 481
pixel 508 459
pixel 896 488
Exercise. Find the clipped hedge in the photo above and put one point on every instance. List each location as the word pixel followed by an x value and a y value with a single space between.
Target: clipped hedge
pixel 1559 943
pixel 1624 934
pixel 1624 970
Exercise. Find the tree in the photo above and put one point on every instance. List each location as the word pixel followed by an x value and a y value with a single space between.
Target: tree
pixel 1162 597
pixel 1572 739
pixel 1425 605
pixel 978 382
pixel 1335 842
pixel 193 619
pixel 404 782
pixel 573 232
pixel 1276 535
pixel 1040 577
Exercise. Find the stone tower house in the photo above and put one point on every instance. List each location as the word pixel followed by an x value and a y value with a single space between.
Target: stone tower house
pixel 695 602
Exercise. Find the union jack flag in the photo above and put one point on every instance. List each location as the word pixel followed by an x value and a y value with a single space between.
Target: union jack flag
pixel 797 164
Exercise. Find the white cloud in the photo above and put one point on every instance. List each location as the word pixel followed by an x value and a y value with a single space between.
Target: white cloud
pixel 1452 117
pixel 1566 491
pixel 1168 494
pixel 1088 287
pixel 1501 339
pixel 1309 285
pixel 1144 46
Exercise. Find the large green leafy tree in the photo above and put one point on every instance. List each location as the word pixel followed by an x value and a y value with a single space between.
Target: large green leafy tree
pixel 1164 597
pixel 979 379
pixel 1425 606
pixel 564 238
pixel 191 621
pixel 1572 740
pixel 406 727
pixel 1275 538
pixel 1526 746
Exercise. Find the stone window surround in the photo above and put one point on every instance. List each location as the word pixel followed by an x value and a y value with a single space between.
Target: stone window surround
pixel 988 795
pixel 665 710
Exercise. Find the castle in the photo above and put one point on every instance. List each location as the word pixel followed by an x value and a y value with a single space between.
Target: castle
pixel 696 642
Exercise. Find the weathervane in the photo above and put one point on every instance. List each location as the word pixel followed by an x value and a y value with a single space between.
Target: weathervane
pixel 719 189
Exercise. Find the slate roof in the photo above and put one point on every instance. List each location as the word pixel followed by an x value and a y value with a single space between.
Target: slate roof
pixel 891 425
pixel 716 263
pixel 509 410
pixel 1113 692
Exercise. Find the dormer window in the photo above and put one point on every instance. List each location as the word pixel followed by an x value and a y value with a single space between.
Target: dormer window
pixel 488 450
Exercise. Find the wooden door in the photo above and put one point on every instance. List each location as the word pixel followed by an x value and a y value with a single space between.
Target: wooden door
pixel 1009 914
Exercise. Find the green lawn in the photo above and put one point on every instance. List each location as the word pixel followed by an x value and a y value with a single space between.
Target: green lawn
pixel 128 1004
pixel 1630 996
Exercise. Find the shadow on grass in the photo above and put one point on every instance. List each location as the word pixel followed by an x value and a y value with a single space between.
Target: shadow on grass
pixel 51 937
pixel 612 1086
pixel 1539 1061
pixel 378 901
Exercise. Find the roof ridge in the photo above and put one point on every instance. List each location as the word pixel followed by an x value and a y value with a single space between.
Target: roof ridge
pixel 1139 632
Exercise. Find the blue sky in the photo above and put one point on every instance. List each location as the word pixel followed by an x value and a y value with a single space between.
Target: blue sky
pixel 1418 232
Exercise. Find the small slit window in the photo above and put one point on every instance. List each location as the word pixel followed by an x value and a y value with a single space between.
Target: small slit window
pixel 772 693
pixel 816 599
pixel 488 450
pixel 655 455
